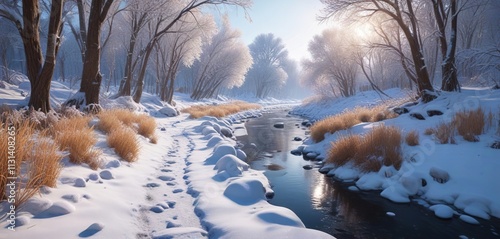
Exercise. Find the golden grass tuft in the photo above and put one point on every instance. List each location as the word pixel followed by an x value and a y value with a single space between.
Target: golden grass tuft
pixel 147 127
pixel 429 131
pixel 108 121
pixel 344 149
pixel 445 133
pixel 45 163
pixel 75 136
pixel 470 124
pixel 125 143
pixel 412 138
pixel 381 146
pixel 348 119
pixel 221 110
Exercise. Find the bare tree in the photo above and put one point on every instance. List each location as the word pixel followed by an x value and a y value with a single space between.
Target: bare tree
pixel 403 13
pixel 40 69
pixel 91 76
pixel 443 12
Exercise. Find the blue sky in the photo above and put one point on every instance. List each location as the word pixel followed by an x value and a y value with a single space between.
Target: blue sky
pixel 294 21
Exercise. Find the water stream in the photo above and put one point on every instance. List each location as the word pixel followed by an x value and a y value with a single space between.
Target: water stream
pixel 329 206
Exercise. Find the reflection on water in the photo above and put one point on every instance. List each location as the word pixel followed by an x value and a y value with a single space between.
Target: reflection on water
pixel 329 206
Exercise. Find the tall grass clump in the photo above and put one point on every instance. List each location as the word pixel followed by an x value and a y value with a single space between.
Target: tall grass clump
pixel 125 143
pixel 45 163
pixel 470 124
pixel 108 121
pixel 344 149
pixel 412 138
pixel 75 136
pixel 380 146
pixel 147 127
pixel 445 133
pixel 347 119
pixel 221 110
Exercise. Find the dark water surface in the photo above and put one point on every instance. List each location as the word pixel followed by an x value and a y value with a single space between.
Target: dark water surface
pixel 329 206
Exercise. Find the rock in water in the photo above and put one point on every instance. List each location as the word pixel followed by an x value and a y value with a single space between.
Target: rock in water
pixel 307 167
pixel 279 125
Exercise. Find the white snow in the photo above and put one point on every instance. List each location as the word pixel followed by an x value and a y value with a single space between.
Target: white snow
pixel 193 183
pixel 462 175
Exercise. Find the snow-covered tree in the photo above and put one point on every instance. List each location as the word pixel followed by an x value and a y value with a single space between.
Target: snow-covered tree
pixel 267 73
pixel 183 46
pixel 332 67
pixel 223 63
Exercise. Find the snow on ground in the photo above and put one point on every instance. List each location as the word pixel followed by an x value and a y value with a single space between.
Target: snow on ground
pixel 472 167
pixel 193 183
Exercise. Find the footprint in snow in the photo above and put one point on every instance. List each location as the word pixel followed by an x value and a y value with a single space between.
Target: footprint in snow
pixel 166 178
pixel 171 224
pixel 170 162
pixel 171 183
pixel 157 209
pixel 166 170
pixel 152 185
pixel 178 190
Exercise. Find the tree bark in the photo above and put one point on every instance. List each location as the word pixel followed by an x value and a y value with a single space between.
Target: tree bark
pixel 91 75
pixel 40 72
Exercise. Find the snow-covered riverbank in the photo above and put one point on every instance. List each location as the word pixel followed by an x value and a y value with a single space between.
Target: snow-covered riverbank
pixel 472 167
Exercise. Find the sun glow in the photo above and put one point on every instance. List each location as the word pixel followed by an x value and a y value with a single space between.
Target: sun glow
pixel 363 30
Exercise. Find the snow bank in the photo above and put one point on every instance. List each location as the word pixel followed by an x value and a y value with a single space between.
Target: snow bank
pixel 460 174
pixel 231 197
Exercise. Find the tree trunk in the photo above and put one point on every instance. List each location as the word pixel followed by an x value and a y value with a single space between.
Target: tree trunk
pixel 140 81
pixel 39 72
pixel 450 78
pixel 91 75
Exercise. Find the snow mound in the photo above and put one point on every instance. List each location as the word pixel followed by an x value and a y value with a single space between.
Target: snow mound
pixel 220 151
pixel 232 165
pixel 169 111
pixel 469 219
pixel 36 205
pixel 442 211
pixel 281 216
pixel 57 209
pixel 245 191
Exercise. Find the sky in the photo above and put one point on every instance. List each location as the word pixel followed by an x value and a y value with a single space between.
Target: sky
pixel 294 21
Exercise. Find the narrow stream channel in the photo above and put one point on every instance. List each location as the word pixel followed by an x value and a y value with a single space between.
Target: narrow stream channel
pixel 329 206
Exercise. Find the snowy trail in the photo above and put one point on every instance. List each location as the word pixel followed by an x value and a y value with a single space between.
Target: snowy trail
pixel 171 213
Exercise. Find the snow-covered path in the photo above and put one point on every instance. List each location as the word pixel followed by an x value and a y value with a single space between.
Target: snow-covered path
pixel 171 213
